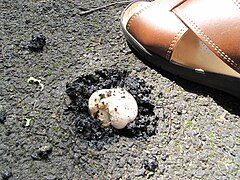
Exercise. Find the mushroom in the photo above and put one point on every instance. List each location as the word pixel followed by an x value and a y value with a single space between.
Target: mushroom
pixel 115 107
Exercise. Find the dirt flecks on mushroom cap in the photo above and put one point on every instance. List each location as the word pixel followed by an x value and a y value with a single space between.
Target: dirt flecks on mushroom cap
pixel 127 110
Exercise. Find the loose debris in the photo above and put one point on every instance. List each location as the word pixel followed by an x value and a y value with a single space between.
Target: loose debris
pixel 28 122
pixel 89 128
pixel 86 12
pixel 150 163
pixel 42 153
pixel 36 81
pixel 37 42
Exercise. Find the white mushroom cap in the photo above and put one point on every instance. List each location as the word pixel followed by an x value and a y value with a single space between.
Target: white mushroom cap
pixel 113 106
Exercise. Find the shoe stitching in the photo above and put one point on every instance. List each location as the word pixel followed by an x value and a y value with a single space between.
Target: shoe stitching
pixel 210 42
pixel 174 41
pixel 138 13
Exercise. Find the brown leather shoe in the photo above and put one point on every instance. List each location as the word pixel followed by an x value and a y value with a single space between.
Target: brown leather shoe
pixel 196 39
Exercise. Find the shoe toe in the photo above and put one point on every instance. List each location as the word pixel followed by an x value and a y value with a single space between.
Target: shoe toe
pixel 133 9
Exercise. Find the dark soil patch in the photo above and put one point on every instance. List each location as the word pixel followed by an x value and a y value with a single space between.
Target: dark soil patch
pixel 89 128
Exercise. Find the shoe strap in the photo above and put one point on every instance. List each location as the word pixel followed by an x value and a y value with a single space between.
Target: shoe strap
pixel 157 28
pixel 217 24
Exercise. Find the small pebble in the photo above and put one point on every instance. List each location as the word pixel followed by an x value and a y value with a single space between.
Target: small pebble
pixel 150 163
pixel 177 126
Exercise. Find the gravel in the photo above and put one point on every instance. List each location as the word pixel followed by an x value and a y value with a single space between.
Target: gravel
pixel 197 129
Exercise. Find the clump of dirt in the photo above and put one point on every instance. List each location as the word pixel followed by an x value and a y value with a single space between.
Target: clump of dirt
pixel 90 129
pixel 150 163
pixel 37 42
